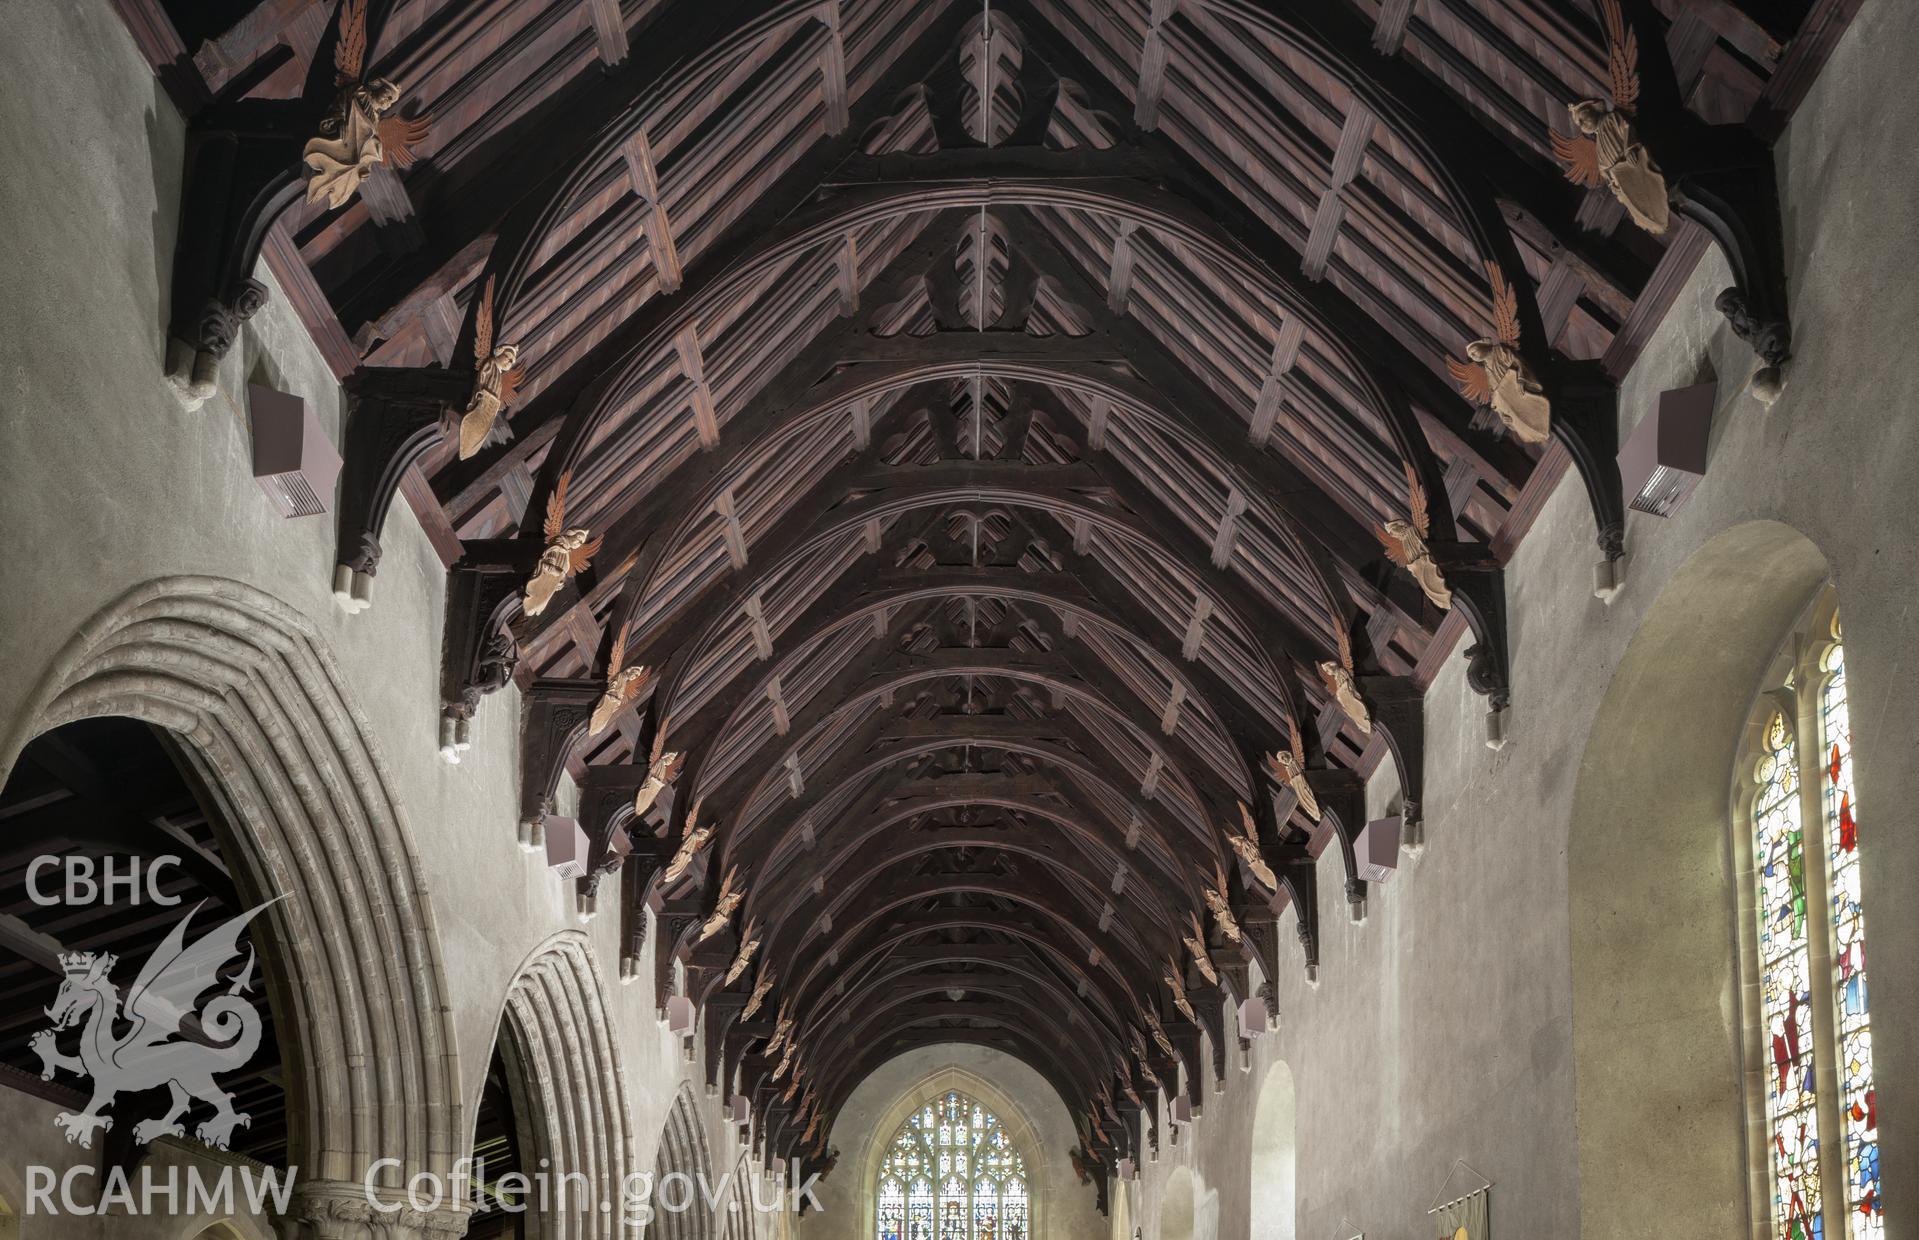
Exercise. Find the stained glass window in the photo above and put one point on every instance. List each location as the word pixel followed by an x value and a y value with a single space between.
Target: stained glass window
pixel 1806 821
pixel 1779 855
pixel 959 1146
pixel 1858 1100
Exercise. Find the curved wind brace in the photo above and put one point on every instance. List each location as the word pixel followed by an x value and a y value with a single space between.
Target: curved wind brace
pixel 606 807
pixel 1399 716
pixel 397 416
pixel 553 719
pixel 1479 593
pixel 1586 423
pixel 1342 807
pixel 1737 201
pixel 242 171
pixel 480 651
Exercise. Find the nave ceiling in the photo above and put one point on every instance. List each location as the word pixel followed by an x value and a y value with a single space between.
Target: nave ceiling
pixel 993 430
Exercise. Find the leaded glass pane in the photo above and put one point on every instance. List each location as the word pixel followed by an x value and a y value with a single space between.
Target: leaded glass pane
pixel 1785 993
pixel 1858 1099
pixel 959 1146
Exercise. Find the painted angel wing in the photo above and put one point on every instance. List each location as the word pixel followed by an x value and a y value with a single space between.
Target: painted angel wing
pixel 1470 379
pixel 1395 550
pixel 1622 59
pixel 577 560
pixel 1247 825
pixel 510 388
pixel 1580 154
pixel 1344 640
pixel 399 135
pixel 169 986
pixel 1505 307
pixel 483 342
pixel 616 657
pixel 1298 745
pixel 556 502
pixel 1416 497
pixel 349 54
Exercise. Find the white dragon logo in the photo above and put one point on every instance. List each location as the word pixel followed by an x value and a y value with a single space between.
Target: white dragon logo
pixel 164 995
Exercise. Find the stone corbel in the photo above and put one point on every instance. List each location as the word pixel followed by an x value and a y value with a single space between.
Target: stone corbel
pixel 397 416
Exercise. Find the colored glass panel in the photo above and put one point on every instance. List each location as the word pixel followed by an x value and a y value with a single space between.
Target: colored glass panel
pixel 967 1182
pixel 1779 856
pixel 1858 1099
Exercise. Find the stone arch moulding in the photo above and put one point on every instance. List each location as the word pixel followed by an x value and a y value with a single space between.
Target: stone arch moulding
pixel 573 1084
pixel 682 1213
pixel 1648 834
pixel 246 681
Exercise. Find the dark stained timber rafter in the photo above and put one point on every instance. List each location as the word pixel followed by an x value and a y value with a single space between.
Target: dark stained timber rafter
pixel 988 477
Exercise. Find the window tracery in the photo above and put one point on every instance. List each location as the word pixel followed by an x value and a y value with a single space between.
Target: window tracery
pixel 953 1173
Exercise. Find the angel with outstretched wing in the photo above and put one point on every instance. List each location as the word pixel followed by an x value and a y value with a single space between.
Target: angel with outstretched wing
pixel 662 768
pixel 1497 376
pixel 1195 940
pixel 1220 902
pixel 358 133
pixel 724 905
pixel 1337 676
pixel 1177 984
pixel 568 551
pixel 1289 767
pixel 496 381
pixel 1405 543
pixel 1607 151
pixel 750 943
pixel 1245 844
pixel 623 684
pixel 691 843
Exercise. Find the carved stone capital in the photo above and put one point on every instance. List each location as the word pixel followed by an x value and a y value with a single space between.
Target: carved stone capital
pixel 340 1210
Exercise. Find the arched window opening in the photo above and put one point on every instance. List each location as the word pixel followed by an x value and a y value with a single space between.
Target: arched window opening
pixel 1274 1117
pixel 952 1173
pixel 500 1213
pixel 1818 1119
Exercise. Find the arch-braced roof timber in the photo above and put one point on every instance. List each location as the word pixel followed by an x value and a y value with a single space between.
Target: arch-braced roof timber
pixel 986 419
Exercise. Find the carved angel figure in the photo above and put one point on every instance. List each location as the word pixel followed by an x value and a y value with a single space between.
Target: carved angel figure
pixel 496 380
pixel 1405 543
pixel 1610 153
pixel 761 986
pixel 1160 1039
pixel 567 552
pixel 1177 984
pixel 723 906
pixel 1289 768
pixel 1218 900
pixel 1338 679
pixel 782 1028
pixel 750 943
pixel 1497 376
pixel 1245 844
pixel 1195 940
pixel 357 134
pixel 662 768
pixel 806 1138
pixel 792 1087
pixel 691 843
pixel 786 1061
pixel 623 684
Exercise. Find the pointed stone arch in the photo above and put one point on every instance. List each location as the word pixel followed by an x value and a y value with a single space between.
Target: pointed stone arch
pixel 245 681
pixel 569 1091
pixel 679 1210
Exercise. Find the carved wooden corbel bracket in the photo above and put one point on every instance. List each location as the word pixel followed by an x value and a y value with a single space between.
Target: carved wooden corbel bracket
pixel 1342 803
pixel 397 416
pixel 1399 716
pixel 553 719
pixel 1479 593
pixel 479 651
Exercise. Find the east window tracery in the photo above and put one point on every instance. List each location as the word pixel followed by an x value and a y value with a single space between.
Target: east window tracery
pixel 952 1173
